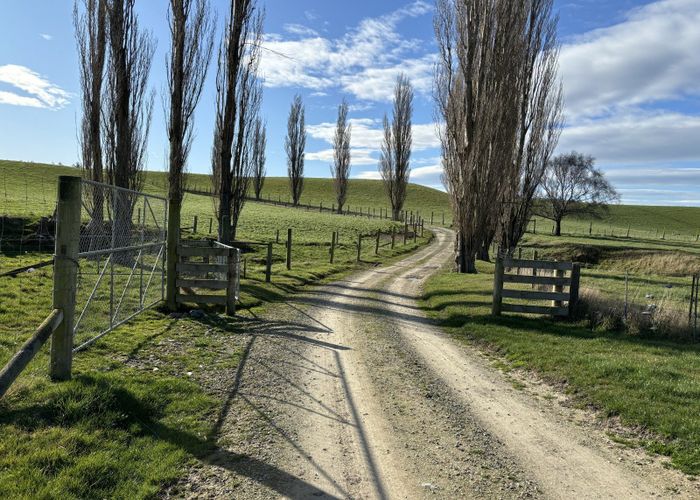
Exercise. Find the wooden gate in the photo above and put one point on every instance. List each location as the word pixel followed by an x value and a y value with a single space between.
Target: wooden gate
pixel 557 282
pixel 208 265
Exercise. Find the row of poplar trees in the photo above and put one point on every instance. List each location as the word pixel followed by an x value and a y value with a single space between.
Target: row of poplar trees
pixel 115 57
pixel 499 99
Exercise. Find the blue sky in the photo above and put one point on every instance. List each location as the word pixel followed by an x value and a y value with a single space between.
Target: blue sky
pixel 631 74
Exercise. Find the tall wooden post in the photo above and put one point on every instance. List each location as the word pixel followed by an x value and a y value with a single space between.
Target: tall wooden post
pixel 497 287
pixel 359 246
pixel 289 249
pixel 574 287
pixel 376 246
pixel 268 264
pixel 211 224
pixel 332 246
pixel 277 237
pixel 65 275
pixel 194 225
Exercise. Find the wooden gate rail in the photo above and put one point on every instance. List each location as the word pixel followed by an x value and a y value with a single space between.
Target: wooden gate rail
pixel 222 275
pixel 558 282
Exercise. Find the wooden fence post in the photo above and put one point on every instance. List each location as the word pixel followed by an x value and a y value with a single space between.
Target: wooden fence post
pixel 268 264
pixel 359 246
pixel 289 249
pixel 405 231
pixel 443 218
pixel 431 218
pixel 194 225
pixel 332 247
pixel 574 287
pixel 233 259
pixel 415 233
pixel 558 273
pixel 277 237
pixel 65 274
pixel 497 287
pixel 376 247
pixel 534 226
pixel 393 236
pixel 211 223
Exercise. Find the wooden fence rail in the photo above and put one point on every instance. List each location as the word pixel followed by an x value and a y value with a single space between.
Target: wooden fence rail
pixel 558 283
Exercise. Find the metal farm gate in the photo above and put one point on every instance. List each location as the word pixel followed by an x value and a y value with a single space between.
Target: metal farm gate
pixel 121 259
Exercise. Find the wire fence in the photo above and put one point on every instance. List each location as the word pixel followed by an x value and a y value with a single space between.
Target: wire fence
pixel 121 259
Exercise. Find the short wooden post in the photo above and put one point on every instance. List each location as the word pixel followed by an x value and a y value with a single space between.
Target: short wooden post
pixel 332 246
pixel 574 287
pixel 497 287
pixel 443 218
pixel 277 237
pixel 268 264
pixel 65 274
pixel 415 233
pixel 376 246
pixel 233 260
pixel 289 249
pixel 534 226
pixel 359 246
pixel 211 224
pixel 431 218
pixel 422 227
pixel 393 236
pixel 194 225
pixel 405 231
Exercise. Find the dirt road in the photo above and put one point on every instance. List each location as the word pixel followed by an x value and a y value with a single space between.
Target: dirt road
pixel 348 391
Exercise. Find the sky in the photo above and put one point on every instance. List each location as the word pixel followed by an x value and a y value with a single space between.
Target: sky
pixel 630 70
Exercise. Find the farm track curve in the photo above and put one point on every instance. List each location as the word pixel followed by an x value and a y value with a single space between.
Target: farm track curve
pixel 349 391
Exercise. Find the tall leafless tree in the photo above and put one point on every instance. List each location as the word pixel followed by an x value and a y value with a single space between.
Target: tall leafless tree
pixel 295 144
pixel 237 102
pixel 128 110
pixel 573 185
pixel 341 156
pixel 259 157
pixel 90 23
pixel 191 32
pixel 539 118
pixel 394 163
pixel 478 70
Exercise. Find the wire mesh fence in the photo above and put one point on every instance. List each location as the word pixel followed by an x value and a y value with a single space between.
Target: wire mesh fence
pixel 121 259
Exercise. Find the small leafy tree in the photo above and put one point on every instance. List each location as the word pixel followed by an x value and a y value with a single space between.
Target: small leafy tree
pixel 572 185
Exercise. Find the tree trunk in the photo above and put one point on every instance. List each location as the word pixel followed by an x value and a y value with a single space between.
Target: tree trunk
pixel 483 254
pixel 557 228
pixel 173 241
pixel 466 262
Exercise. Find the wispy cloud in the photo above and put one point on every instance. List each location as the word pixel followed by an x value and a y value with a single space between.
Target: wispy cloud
pixel 46 36
pixel 37 91
pixel 363 62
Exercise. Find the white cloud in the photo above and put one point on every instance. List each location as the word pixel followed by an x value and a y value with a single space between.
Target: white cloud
pixel 300 29
pixel 46 36
pixel 367 133
pixel 636 137
pixel 364 61
pixel 359 156
pixel 369 174
pixel 41 93
pixel 649 57
pixel 429 171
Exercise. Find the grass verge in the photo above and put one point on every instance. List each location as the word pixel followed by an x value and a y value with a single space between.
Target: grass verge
pixel 648 383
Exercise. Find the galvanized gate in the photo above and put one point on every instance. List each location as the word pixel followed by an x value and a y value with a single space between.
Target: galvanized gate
pixel 121 268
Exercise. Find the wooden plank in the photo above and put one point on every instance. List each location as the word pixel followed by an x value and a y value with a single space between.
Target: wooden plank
pixel 552 311
pixel 534 295
pixel 191 298
pixel 538 264
pixel 201 283
pixel 536 280
pixel 184 251
pixel 201 268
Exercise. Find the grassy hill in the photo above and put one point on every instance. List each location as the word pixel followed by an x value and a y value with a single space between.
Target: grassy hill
pixel 29 189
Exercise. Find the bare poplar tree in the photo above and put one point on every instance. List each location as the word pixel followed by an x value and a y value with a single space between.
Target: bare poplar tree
pixel 191 32
pixel 477 75
pixel 539 118
pixel 259 158
pixel 341 156
pixel 128 108
pixel 238 96
pixel 90 23
pixel 394 163
pixel 295 144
